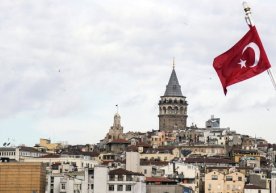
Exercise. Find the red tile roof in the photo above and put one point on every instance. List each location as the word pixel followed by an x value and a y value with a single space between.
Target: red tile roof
pixel 142 144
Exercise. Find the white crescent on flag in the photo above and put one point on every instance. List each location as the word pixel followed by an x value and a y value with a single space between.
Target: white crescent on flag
pixel 256 50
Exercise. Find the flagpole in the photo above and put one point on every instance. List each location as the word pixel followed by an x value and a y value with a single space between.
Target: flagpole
pixel 250 22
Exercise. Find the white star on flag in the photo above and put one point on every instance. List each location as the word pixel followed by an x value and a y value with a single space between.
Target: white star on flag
pixel 242 63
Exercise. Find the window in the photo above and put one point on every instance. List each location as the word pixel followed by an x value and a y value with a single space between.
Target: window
pixel 128 178
pixel 209 186
pixel 119 187
pixel 128 187
pixel 63 186
pixel 229 178
pixel 214 177
pixel 120 178
pixel 111 178
pixel 145 171
pixel 111 187
pixel 92 186
pixel 239 178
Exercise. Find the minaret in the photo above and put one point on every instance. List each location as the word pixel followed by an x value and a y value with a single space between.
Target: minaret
pixel 172 106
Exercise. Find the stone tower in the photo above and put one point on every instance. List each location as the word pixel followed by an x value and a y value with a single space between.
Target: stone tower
pixel 115 131
pixel 172 106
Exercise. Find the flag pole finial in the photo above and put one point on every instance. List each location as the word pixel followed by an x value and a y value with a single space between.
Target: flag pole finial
pixel 246 6
pixel 248 17
pixel 173 63
pixel 117 108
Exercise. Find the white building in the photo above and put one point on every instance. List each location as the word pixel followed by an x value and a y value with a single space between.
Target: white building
pixel 250 188
pixel 97 180
pixel 20 153
pixel 124 181
pixel 273 181
pixel 10 153
pixel 133 161
pixel 73 182
pixel 80 161
pixel 188 173
pixel 146 167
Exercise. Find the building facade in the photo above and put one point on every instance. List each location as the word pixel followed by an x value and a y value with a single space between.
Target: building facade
pixel 22 177
pixel 116 131
pixel 216 182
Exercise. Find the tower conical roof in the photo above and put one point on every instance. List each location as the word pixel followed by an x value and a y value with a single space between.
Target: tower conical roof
pixel 173 88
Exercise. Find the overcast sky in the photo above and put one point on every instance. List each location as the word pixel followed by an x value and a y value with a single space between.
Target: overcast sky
pixel 66 64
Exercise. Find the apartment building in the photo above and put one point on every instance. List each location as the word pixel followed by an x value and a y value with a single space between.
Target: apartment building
pixel 22 177
pixel 216 182
pixel 100 179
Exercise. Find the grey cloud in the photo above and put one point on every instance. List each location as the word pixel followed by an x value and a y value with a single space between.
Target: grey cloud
pixel 71 62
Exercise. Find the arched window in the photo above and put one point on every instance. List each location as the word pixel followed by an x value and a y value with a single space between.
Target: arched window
pixel 170 110
pixel 164 110
pixel 176 110
pixel 181 110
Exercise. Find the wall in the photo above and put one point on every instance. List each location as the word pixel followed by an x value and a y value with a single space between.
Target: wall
pixel 100 179
pixel 22 177
pixel 164 188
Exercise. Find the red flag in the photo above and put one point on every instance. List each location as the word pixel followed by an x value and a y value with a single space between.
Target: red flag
pixel 245 59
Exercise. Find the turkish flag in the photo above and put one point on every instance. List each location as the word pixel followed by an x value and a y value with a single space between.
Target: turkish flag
pixel 247 58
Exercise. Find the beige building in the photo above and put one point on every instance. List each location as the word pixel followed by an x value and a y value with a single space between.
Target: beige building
pixel 46 143
pixel 162 153
pixel 228 169
pixel 240 153
pixel 216 182
pixel 209 150
pixel 116 131
pixel 21 177
pixel 158 139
